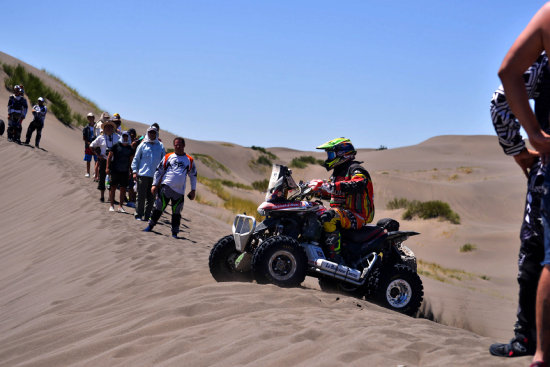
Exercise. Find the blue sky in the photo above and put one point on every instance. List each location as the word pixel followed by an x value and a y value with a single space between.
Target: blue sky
pixel 278 73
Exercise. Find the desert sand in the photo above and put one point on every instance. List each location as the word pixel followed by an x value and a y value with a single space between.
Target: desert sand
pixel 84 287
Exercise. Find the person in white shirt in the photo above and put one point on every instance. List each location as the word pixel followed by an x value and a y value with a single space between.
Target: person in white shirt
pixel 171 178
pixel 102 145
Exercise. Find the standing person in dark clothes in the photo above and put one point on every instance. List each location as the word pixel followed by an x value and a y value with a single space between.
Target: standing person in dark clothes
pixel 118 166
pixel 131 182
pixel 527 48
pixel 531 252
pixel 17 110
pixel 88 135
pixel 171 178
pixel 39 112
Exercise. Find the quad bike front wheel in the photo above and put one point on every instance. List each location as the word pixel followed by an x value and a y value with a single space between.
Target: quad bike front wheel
pixel 222 262
pixel 280 260
pixel 400 289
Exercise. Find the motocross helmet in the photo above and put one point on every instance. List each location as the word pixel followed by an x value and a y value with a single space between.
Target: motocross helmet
pixel 339 150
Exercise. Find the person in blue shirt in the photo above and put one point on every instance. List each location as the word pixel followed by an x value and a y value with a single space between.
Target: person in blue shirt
pixel 148 155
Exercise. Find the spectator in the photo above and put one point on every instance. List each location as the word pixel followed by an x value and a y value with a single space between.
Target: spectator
pixel 171 177
pixel 98 131
pixel 39 112
pixel 529 45
pixel 118 167
pixel 102 145
pixel 118 122
pixel 88 135
pixel 17 110
pixel 148 156
pixel 131 182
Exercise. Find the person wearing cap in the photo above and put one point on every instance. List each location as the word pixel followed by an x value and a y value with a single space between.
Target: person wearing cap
pixel 148 155
pixel 39 112
pixel 102 145
pixel 118 121
pixel 118 167
pixel 89 135
pixel 170 181
pixel 17 110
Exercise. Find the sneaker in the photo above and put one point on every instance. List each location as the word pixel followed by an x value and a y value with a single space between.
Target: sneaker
pixel 538 364
pixel 175 235
pixel 87 175
pixel 517 347
pixel 102 200
pixel 121 210
pixel 149 228
pixel 131 204
pixel 37 146
pixel 137 217
pixel 111 208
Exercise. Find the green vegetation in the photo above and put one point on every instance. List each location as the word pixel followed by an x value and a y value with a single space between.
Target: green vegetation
pixel 34 88
pixel 263 160
pixel 238 205
pixel 398 203
pixel 264 151
pixel 199 199
pixel 468 247
pixel 303 161
pixel 425 210
pixel 233 203
pixel 261 185
pixel 211 162
pixel 382 147
pixel 445 275
pixel 74 92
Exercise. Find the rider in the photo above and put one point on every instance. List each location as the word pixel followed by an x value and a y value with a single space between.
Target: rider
pixel 17 110
pixel 350 191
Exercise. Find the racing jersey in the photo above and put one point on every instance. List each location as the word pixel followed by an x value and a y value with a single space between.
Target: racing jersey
pixel 17 105
pixel 353 190
pixel 173 170
pixel 39 113
pixel 505 122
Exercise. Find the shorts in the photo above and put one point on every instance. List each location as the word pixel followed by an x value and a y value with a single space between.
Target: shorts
pixel 545 211
pixel 88 157
pixel 119 179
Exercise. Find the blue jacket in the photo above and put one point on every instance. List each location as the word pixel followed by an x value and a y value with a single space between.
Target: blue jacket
pixel 147 158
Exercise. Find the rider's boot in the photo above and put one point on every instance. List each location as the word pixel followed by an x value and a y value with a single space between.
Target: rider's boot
pixel 333 244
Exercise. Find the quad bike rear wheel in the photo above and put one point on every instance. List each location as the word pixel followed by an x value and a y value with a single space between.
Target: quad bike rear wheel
pixel 400 289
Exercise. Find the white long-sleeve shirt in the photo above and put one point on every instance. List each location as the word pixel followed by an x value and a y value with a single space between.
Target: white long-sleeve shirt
pixel 173 171
pixel 105 142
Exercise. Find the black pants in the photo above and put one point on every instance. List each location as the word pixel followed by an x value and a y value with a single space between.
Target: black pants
pixel 102 174
pixel 531 254
pixel 34 125
pixel 14 130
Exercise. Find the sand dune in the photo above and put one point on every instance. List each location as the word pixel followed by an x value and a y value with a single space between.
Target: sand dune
pixel 84 287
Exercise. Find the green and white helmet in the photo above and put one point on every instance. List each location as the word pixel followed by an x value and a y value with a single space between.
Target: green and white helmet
pixel 338 150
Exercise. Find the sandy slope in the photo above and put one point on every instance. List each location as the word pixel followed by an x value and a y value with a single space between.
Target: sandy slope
pixel 81 286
